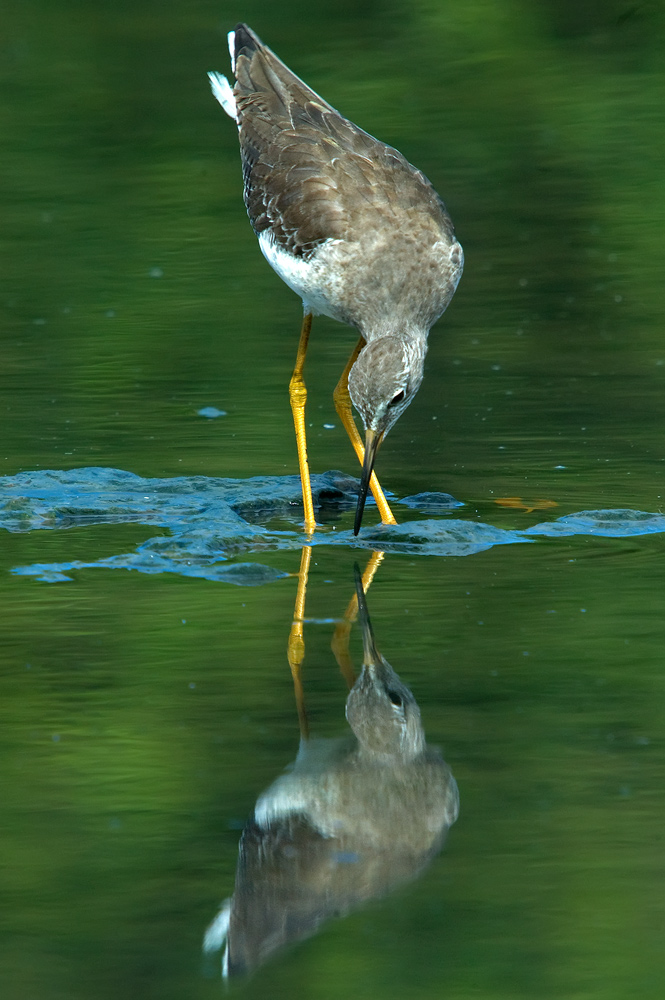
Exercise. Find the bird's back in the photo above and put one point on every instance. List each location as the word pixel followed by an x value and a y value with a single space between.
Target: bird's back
pixel 311 175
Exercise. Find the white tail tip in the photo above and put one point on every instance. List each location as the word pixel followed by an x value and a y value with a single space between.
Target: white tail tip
pixel 217 932
pixel 223 92
pixel 231 37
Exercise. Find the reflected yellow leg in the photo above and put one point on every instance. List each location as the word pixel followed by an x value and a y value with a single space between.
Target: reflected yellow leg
pixel 298 398
pixel 343 407
pixel 340 639
pixel 295 649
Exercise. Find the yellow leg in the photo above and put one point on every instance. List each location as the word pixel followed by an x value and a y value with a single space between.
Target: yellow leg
pixel 343 407
pixel 340 639
pixel 298 398
pixel 295 649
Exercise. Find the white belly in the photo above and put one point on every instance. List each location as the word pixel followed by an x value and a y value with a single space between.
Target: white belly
pixel 303 276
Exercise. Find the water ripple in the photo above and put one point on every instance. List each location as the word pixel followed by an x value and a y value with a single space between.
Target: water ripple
pixel 213 521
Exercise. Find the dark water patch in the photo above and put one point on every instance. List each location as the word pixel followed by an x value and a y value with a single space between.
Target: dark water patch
pixel 431 503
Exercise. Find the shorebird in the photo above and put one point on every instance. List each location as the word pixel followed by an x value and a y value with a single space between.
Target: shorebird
pixel 355 230
pixel 351 820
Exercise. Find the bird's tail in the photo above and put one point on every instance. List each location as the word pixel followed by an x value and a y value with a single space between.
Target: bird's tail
pixel 259 71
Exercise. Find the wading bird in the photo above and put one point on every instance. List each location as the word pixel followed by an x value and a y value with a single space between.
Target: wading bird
pixel 355 230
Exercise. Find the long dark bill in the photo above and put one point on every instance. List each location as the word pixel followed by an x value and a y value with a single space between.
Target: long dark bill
pixel 372 442
pixel 371 653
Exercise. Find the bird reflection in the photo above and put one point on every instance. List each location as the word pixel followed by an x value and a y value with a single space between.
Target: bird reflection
pixel 349 821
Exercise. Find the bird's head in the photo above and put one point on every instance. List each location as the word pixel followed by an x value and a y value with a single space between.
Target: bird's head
pixel 382 383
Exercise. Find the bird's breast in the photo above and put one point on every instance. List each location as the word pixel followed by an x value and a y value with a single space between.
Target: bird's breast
pixel 387 281
pixel 378 280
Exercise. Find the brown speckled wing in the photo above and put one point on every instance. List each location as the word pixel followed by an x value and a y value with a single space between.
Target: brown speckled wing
pixel 309 174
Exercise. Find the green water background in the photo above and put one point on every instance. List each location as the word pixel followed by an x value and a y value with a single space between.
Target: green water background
pixel 141 716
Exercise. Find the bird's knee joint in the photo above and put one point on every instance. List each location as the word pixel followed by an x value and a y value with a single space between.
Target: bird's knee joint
pixel 297 392
pixel 342 401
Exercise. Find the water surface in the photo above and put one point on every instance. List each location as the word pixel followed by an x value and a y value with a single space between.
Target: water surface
pixel 146 698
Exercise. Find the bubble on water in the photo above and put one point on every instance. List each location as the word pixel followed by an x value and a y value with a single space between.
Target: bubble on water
pixel 211 412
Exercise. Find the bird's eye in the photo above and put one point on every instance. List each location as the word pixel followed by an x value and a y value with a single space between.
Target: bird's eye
pixel 395 698
pixel 397 398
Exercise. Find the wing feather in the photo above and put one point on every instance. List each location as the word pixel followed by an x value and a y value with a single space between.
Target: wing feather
pixel 310 175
